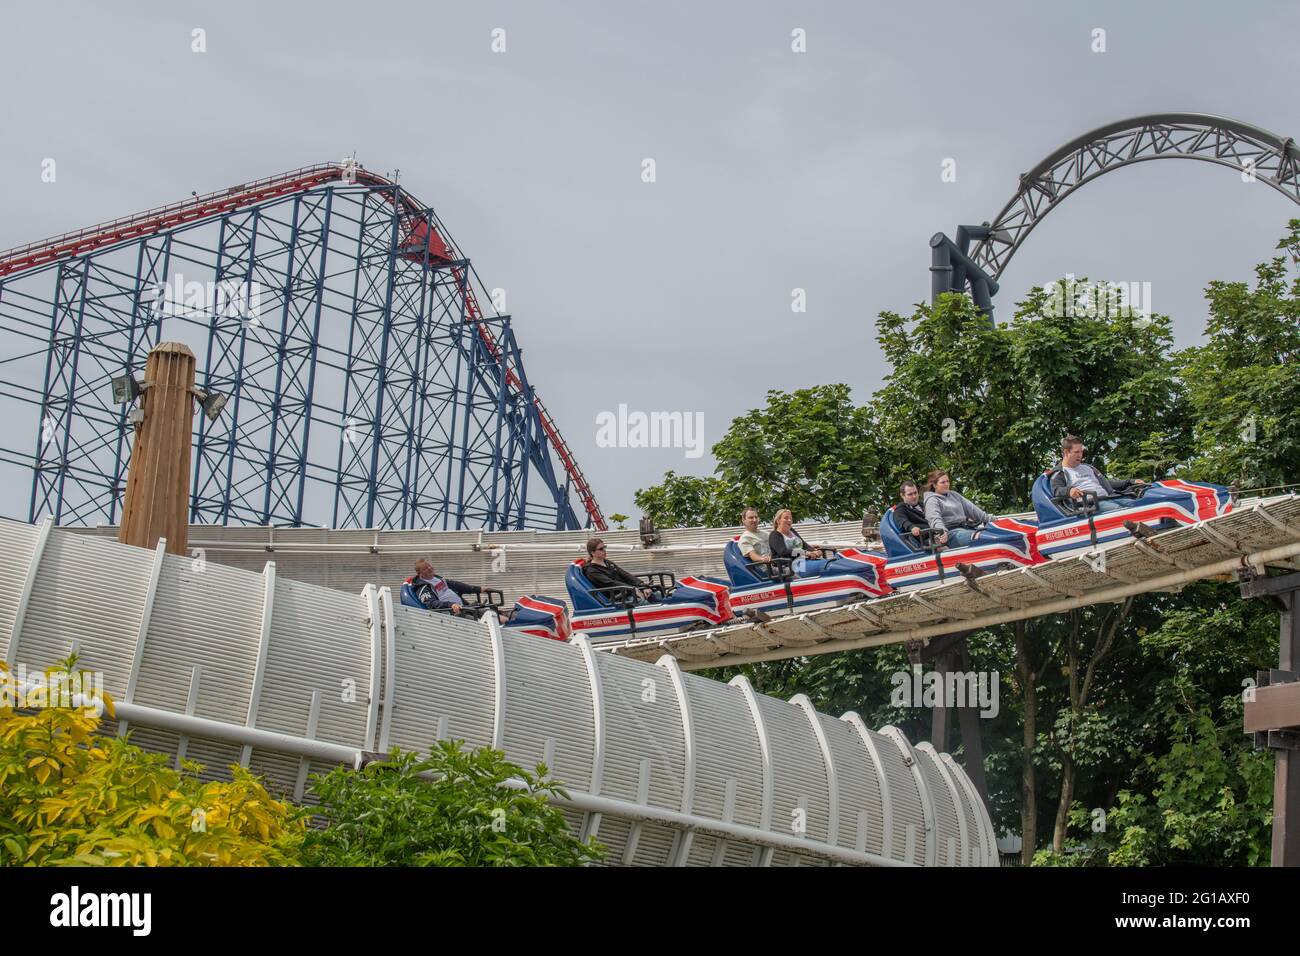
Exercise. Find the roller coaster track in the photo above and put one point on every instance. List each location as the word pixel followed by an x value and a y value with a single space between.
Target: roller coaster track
pixel 1247 540
pixel 1259 532
pixel 431 241
pixel 1267 157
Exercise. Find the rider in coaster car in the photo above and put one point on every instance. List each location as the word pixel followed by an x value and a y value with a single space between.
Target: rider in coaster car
pixel 603 573
pixel 1075 477
pixel 444 594
pixel 908 513
pixel 753 543
pixel 785 542
pixel 956 518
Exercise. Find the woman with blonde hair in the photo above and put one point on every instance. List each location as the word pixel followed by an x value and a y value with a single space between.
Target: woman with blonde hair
pixel 785 542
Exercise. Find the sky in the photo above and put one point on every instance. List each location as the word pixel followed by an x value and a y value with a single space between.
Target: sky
pixel 774 170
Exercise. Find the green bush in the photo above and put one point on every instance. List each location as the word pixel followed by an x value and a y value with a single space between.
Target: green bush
pixel 449 809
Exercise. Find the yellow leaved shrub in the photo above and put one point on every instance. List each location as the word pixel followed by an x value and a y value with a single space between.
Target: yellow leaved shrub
pixel 69 796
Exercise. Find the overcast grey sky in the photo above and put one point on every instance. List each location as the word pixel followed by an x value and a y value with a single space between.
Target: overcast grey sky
pixel 774 170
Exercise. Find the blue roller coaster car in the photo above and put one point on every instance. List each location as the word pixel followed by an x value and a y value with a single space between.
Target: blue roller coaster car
pixel 1067 525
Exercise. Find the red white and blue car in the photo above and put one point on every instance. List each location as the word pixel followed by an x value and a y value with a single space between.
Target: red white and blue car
pixel 1064 528
pixel 1004 542
pixel 677 605
pixel 541 616
pixel 850 575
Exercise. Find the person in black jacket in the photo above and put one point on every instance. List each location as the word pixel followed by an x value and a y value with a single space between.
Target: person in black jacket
pixel 785 542
pixel 444 594
pixel 908 514
pixel 603 573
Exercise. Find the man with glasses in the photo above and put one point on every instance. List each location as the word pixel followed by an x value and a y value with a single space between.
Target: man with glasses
pixel 1075 478
pixel 603 573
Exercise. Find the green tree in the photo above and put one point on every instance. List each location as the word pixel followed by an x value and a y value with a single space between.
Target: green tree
pixel 682 501
pixel 1244 382
pixel 810 450
pixel 1191 790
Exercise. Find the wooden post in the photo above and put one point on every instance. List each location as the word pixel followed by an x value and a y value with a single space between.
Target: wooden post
pixel 157 483
pixel 1262 716
pixel 1286 770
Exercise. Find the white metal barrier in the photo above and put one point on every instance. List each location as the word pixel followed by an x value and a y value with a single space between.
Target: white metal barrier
pixel 226 666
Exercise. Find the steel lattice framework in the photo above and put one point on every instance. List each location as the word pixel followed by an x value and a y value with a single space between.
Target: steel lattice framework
pixel 1212 139
pixel 367 387
pixel 1267 157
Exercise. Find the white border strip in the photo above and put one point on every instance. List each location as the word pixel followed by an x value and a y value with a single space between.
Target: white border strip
pixel 263 645
pixel 682 845
pixel 765 750
pixel 390 666
pixel 927 800
pixel 146 612
pixel 591 825
pixel 29 585
pixel 988 840
pixel 313 716
pixel 832 779
pixel 886 800
pixel 499 681
pixel 371 597
pixel 959 808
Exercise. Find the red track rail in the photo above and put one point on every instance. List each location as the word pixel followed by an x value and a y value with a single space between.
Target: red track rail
pixel 83 241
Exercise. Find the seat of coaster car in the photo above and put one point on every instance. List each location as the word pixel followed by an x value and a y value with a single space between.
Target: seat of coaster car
pixel 1047 508
pixel 1168 501
pixel 1044 507
pixel 897 544
pixel 583 593
pixel 1003 530
pixel 741 575
pixel 542 616
pixel 408 598
pixel 738 569
pixel 474 603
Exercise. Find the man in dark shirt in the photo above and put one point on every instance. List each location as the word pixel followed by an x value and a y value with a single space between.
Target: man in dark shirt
pixel 444 594
pixel 908 514
pixel 603 573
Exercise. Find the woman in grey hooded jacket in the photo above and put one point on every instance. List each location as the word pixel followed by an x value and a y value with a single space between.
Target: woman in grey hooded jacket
pixel 956 518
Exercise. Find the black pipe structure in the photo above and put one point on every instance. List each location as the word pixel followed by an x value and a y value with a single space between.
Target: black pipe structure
pixel 1267 157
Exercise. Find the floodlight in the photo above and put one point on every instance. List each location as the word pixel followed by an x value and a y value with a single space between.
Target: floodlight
pixel 125 389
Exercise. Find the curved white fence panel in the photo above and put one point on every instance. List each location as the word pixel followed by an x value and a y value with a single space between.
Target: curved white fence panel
pixel 228 666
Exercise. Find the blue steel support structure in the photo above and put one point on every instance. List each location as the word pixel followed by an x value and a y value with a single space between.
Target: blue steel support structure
pixel 366 388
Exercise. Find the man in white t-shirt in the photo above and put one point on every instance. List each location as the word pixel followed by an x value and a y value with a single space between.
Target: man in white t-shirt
pixel 753 543
pixel 1077 478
